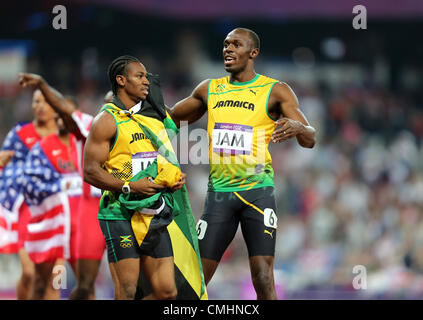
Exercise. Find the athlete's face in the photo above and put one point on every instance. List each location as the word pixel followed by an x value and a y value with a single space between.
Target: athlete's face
pixel 237 51
pixel 136 83
pixel 41 109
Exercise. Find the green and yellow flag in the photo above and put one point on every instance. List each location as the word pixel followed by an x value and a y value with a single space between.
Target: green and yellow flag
pixel 182 230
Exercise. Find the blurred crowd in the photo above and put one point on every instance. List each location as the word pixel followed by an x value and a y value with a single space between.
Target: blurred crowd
pixel 356 199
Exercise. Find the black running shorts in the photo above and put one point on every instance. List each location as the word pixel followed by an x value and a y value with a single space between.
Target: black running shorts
pixel 122 244
pixel 224 211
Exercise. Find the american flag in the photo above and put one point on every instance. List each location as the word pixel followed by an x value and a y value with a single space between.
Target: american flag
pixel 83 122
pixel 20 139
pixel 52 187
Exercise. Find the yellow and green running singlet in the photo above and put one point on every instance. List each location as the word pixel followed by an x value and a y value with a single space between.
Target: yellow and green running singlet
pixel 239 130
pixel 130 153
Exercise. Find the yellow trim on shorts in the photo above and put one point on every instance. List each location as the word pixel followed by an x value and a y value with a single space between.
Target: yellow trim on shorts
pixel 250 204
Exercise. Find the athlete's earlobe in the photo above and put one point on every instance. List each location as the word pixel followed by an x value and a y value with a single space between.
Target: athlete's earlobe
pixel 120 80
pixel 254 53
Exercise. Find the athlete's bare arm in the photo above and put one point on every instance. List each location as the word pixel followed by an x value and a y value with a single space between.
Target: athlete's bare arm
pixel 96 152
pixel 283 102
pixel 53 97
pixel 193 107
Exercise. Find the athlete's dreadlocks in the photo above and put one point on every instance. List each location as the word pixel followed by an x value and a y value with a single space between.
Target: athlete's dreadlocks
pixel 118 67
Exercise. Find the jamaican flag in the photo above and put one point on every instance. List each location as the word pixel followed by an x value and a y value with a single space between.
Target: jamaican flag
pixel 182 230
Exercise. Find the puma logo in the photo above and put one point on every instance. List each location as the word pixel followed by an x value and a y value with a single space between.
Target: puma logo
pixel 253 92
pixel 270 233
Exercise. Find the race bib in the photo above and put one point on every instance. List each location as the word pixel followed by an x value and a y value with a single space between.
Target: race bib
pixel 270 218
pixel 201 229
pixel 232 138
pixel 142 160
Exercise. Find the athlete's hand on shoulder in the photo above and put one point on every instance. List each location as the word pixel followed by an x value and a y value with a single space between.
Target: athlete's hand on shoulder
pixel 30 80
pixel 5 157
pixel 145 187
pixel 288 128
pixel 180 183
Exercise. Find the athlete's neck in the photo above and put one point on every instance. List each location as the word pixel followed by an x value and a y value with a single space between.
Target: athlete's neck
pixel 243 76
pixel 44 128
pixel 64 137
pixel 127 101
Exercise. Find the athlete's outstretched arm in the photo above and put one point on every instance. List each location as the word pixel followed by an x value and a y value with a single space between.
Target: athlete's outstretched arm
pixel 96 153
pixel 193 107
pixel 53 97
pixel 293 122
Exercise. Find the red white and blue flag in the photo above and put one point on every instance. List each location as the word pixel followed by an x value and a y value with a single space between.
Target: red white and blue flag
pixel 52 188
pixel 20 140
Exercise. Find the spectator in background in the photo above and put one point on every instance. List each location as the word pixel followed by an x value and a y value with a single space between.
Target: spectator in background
pixel 90 240
pixel 52 186
pixel 14 212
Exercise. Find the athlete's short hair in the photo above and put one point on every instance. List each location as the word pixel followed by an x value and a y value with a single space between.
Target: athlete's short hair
pixel 253 36
pixel 117 67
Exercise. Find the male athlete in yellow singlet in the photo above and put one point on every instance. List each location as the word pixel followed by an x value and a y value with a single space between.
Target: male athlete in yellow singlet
pixel 244 109
pixel 115 151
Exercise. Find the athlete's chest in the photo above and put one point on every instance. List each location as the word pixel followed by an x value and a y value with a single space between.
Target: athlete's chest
pixel 63 157
pixel 133 144
pixel 133 150
pixel 245 101
pixel 238 110
pixel 130 134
